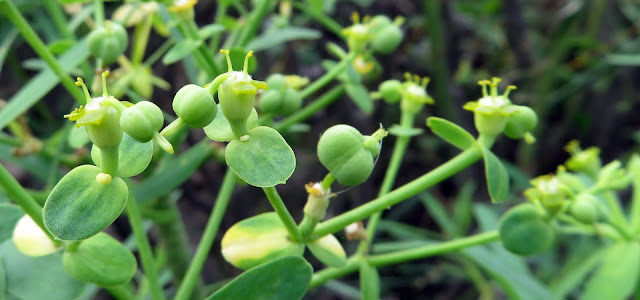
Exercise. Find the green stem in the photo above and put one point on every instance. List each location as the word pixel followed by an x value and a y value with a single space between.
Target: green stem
pixel 140 40
pixel 40 48
pixel 144 248
pixel 306 227
pixel 399 149
pixel 174 235
pixel 352 264
pixel 98 8
pixel 442 172
pixel 326 21
pixel 58 18
pixel 328 77
pixel 257 15
pixel 327 181
pixel 172 128
pixel 311 108
pixel 210 231
pixel 109 157
pixel 283 213
pixel 20 196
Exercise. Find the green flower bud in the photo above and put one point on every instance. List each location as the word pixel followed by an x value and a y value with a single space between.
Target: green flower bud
pixel 585 161
pixel 276 81
pixel 492 111
pixel 108 42
pixel 102 260
pixel 524 230
pixel 237 94
pixel 387 39
pixel 347 154
pixel 195 106
pixel 257 240
pixel 585 208
pixel 521 122
pixel 358 35
pixel 390 90
pixel 379 22
pixel 283 102
pixel 550 192
pixel 414 93
pixel 142 121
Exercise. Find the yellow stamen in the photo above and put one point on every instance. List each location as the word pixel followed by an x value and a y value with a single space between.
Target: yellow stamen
pixel 508 90
pixel 80 82
pixel 229 66
pixel 104 83
pixel 407 76
pixel 246 61
pixel 425 82
pixel 416 79
pixel 355 17
pixel 366 19
pixel 484 84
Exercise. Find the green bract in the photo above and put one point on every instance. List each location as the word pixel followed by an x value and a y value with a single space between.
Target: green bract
pixel 347 154
pixel 142 121
pixel 237 94
pixel 133 156
pixel 195 106
pixel 524 230
pixel 108 42
pixel 586 161
pixel 492 111
pixel 102 260
pixel 257 240
pixel 79 206
pixel 220 130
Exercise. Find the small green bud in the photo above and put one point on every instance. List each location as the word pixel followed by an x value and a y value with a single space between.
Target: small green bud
pixel 390 90
pixel 108 42
pixel 195 106
pixel 284 101
pixel 142 121
pixel 347 154
pixel 414 93
pixel 387 39
pixel 276 81
pixel 358 35
pixel 521 122
pixel 585 161
pixel 524 230
pixel 550 192
pixel 585 208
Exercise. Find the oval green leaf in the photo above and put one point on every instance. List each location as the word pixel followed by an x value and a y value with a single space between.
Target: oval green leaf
pixel 617 277
pixel 220 131
pixel 497 176
pixel 329 251
pixel 180 50
pixel 102 260
pixel 264 160
pixel 450 132
pixel 134 157
pixel 259 283
pixel 79 207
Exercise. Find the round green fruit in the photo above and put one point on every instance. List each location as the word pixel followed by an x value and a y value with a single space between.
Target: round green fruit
pixel 341 150
pixel 585 208
pixel 523 121
pixel 108 42
pixel 142 121
pixel 195 106
pixel 525 231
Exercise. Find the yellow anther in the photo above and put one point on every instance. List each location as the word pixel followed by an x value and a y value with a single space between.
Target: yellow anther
pixel 508 90
pixel 226 54
pixel 425 82
pixel 80 82
pixel 496 80
pixel 573 147
pixel 246 61
pixel 407 76
pixel 366 19
pixel 312 189
pixel 355 17
pixel 416 79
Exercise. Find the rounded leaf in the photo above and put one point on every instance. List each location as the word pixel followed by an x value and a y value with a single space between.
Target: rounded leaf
pixel 256 240
pixel 329 251
pixel 102 260
pixel 524 230
pixel 134 157
pixel 219 130
pixel 30 240
pixel 263 160
pixel 79 207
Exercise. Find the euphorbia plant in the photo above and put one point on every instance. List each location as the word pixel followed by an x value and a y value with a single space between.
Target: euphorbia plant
pixel 248 127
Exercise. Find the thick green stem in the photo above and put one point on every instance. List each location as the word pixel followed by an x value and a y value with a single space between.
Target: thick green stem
pixel 400 147
pixel 109 157
pixel 444 171
pixel 41 49
pixel 403 256
pixel 20 196
pixel 309 110
pixel 98 9
pixel 210 231
pixel 175 242
pixel 283 213
pixel 144 247
pixel 328 77
pixel 306 227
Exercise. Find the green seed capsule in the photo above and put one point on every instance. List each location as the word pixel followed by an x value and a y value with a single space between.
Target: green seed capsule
pixel 142 120
pixel 525 231
pixel 195 106
pixel 391 90
pixel 585 209
pixel 276 81
pixel 342 151
pixel 387 40
pixel 521 122
pixel 281 102
pixel 108 42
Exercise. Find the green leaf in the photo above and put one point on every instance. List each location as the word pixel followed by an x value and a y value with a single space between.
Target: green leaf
pixel 79 206
pixel 60 46
pixel 329 251
pixel 219 130
pixel 78 137
pixel 259 283
pixel 360 96
pixel 9 216
pixel 172 173
pixel 450 132
pixel 369 281
pixel 574 272
pixel 41 85
pixel 398 130
pixel 617 276
pixel 209 30
pixel 497 176
pixel 37 278
pixel 264 160
pixel 134 157
pixel 180 50
pixel 276 37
